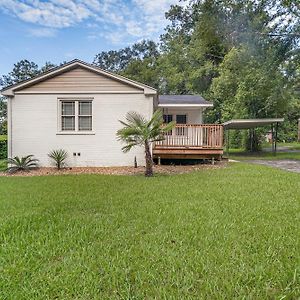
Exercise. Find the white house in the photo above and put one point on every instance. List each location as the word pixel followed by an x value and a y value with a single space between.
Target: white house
pixel 77 107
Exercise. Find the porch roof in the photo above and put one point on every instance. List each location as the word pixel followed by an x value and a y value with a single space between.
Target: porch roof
pixel 183 101
pixel 250 123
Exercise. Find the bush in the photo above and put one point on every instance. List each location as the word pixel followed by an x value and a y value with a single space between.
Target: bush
pixel 3 148
pixel 25 163
pixel 59 157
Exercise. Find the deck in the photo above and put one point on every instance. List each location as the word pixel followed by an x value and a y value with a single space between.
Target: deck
pixel 191 141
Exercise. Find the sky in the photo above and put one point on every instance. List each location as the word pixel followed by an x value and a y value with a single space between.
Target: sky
pixel 61 30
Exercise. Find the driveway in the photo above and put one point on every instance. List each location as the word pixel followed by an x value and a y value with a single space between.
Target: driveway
pixel 284 164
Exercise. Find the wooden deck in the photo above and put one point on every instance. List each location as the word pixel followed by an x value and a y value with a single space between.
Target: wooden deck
pixel 191 141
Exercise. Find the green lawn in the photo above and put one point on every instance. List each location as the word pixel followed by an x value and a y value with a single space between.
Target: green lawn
pixel 231 233
pixel 2 164
pixel 292 146
pixel 242 155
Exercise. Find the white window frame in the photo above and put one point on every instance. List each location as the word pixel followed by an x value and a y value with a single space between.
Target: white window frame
pixel 59 116
pixel 81 115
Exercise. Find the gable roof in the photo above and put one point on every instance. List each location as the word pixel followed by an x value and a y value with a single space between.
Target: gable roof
pixel 9 91
pixel 183 100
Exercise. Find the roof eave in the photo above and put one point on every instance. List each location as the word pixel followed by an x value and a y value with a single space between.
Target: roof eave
pixel 185 105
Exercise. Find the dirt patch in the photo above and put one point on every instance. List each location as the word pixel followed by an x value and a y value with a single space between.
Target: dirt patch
pixel 164 169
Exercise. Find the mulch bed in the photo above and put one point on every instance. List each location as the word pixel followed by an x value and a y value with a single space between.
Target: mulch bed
pixel 163 169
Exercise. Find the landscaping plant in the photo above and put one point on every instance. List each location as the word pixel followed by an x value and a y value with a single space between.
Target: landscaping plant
pixel 138 131
pixel 59 157
pixel 25 163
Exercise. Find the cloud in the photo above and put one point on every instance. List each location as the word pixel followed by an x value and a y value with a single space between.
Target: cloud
pixel 42 32
pixel 117 19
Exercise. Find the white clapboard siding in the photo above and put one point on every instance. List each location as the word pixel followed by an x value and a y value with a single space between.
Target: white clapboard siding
pixel 34 128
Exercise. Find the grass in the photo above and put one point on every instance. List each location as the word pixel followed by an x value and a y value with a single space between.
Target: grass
pixel 242 155
pixel 230 233
pixel 2 164
pixel 292 146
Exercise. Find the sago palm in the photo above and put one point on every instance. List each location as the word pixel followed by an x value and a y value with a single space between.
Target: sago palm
pixel 25 163
pixel 59 157
pixel 138 131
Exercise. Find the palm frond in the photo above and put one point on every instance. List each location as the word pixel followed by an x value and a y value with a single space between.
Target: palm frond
pixel 136 119
pixel 25 163
pixel 59 157
pixel 128 147
pixel 169 126
pixel 157 118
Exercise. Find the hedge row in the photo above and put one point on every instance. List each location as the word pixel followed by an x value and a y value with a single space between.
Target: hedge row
pixel 3 149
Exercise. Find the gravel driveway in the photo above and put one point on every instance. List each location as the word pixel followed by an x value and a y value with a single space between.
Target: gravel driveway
pixel 284 164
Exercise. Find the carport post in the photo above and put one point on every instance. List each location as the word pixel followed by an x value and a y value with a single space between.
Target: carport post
pixel 227 142
pixel 251 138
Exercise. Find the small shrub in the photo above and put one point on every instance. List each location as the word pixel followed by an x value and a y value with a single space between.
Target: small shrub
pixel 59 157
pixel 25 163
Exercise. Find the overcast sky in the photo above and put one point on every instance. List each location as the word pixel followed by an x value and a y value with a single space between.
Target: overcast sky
pixel 59 30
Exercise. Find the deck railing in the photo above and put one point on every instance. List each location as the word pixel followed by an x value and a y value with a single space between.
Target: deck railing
pixel 194 135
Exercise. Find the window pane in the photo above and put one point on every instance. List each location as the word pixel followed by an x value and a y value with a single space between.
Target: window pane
pixel 181 119
pixel 68 123
pixel 85 108
pixel 68 108
pixel 85 123
pixel 168 118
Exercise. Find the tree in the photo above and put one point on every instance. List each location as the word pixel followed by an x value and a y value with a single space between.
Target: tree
pixel 243 55
pixel 48 66
pixel 23 70
pixel 118 60
pixel 3 116
pixel 138 131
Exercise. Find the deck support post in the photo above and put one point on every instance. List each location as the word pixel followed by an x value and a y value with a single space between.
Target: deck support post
pixel 159 161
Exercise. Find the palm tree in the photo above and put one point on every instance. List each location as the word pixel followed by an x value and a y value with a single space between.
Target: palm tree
pixel 59 157
pixel 26 163
pixel 138 131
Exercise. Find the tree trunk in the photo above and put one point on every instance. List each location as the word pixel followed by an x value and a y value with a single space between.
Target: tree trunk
pixel 149 162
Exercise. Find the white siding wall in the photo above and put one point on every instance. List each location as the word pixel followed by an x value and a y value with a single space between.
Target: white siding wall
pixel 35 121
pixel 194 116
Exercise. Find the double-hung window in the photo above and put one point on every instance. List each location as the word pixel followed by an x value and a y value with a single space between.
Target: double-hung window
pixel 85 115
pixel 76 115
pixel 67 115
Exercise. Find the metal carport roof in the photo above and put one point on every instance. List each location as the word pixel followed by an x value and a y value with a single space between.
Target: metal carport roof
pixel 250 123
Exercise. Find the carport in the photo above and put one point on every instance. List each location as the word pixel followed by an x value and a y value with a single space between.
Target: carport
pixel 251 124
